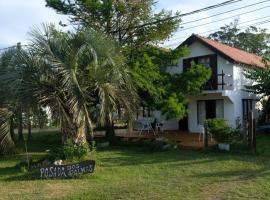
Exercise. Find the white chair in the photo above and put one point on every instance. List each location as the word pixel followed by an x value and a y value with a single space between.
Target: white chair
pixel 159 126
pixel 202 133
pixel 146 125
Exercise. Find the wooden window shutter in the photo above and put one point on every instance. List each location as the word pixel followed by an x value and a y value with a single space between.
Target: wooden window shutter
pixel 186 64
pixel 213 64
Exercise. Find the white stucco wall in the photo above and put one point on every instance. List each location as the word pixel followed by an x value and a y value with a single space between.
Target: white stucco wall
pixel 227 68
pixel 169 124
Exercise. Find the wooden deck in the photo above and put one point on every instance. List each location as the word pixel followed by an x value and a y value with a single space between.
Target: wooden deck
pixel 184 140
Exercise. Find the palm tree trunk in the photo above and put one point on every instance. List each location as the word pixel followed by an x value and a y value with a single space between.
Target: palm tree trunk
pixel 110 133
pixel 73 132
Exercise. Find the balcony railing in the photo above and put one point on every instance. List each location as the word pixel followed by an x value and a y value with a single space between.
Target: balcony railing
pixel 213 83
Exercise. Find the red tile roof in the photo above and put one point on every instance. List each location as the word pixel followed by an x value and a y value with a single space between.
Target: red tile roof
pixel 236 55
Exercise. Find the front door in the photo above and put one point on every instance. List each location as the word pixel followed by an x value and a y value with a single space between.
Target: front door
pixel 210 109
pixel 183 124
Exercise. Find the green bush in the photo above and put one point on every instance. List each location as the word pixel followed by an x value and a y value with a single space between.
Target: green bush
pixel 71 151
pixel 220 130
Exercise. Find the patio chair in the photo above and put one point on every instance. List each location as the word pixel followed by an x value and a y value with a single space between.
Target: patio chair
pixel 146 125
pixel 159 126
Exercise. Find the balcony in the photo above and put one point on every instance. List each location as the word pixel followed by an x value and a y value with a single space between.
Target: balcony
pixel 220 81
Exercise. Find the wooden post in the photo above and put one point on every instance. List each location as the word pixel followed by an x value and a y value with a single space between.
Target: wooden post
pixel 254 136
pixel 205 135
pixel 222 78
pixel 250 130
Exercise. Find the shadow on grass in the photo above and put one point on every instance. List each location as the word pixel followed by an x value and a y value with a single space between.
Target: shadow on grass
pixel 142 154
pixel 40 142
pixel 243 174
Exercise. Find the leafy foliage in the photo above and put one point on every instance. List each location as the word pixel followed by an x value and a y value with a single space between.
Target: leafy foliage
pixel 261 83
pixel 159 89
pixel 220 130
pixel 82 76
pixel 122 20
pixel 261 79
pixel 182 85
pixel 253 40
pixel 137 27
pixel 71 150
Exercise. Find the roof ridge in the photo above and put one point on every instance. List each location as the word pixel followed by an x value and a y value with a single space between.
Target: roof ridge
pixel 229 52
pixel 220 43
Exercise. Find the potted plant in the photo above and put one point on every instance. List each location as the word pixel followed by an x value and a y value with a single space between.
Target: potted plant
pixel 221 132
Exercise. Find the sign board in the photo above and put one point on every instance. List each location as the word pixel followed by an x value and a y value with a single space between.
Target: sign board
pixel 70 170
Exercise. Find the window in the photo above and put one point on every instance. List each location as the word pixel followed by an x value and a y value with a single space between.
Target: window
pixel 219 109
pixel 205 61
pixel 201 112
pixel 247 107
pixel 209 109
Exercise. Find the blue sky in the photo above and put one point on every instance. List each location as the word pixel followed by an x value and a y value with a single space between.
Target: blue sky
pixel 18 16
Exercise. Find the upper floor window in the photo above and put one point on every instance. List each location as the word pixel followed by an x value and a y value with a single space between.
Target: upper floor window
pixel 207 61
pixel 204 61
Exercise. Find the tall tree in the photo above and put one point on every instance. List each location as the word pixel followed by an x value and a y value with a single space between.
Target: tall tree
pixel 261 80
pixel 252 39
pixel 130 22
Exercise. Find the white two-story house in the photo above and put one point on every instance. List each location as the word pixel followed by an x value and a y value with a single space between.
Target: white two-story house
pixel 223 95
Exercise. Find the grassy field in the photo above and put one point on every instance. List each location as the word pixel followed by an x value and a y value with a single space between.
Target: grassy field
pixel 136 172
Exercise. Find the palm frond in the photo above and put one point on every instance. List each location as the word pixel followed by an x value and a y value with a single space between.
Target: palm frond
pixel 6 143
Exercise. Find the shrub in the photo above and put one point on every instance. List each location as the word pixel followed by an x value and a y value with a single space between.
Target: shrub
pixel 220 130
pixel 71 151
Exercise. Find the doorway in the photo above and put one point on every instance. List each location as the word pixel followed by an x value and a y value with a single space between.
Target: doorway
pixel 210 109
pixel 183 124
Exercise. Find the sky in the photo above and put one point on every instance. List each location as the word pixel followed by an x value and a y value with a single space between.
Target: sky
pixel 17 17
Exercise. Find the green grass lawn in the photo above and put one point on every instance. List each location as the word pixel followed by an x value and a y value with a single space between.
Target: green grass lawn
pixel 136 172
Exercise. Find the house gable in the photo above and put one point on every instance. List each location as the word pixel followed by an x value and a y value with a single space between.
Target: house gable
pixel 229 53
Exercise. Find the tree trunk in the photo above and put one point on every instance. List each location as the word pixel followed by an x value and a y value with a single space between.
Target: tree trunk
pixel 90 136
pixel 20 124
pixel 110 133
pixel 29 127
pixel 73 132
pixel 12 127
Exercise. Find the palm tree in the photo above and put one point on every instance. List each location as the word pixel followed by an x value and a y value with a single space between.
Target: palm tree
pixel 82 76
pixel 6 143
